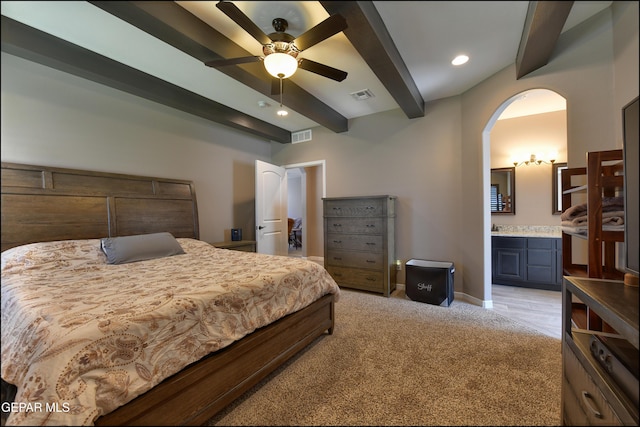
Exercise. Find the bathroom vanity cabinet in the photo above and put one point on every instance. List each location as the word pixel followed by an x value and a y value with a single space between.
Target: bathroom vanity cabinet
pixel 532 262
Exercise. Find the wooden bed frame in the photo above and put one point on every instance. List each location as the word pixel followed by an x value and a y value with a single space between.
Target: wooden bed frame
pixel 41 203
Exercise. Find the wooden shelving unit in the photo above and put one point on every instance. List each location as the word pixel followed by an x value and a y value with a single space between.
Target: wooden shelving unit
pixel 604 178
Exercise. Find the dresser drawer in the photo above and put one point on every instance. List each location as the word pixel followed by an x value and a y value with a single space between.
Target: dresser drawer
pixel 354 225
pixel 357 242
pixel 367 280
pixel 583 393
pixel 367 260
pixel 572 413
pixel 356 207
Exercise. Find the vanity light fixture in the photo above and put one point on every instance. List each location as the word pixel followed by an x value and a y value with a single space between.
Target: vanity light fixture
pixel 533 160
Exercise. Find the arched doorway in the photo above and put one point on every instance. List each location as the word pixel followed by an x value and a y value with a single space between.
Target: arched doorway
pixel 532 122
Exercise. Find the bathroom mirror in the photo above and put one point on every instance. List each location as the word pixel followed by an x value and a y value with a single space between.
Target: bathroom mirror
pixel 503 191
pixel 556 189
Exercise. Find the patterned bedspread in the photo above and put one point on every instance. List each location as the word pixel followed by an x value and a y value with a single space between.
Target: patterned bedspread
pixel 81 337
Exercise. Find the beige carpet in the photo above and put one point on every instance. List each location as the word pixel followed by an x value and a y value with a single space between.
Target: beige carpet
pixel 393 361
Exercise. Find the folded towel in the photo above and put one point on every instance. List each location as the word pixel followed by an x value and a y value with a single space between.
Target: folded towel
pixel 611 218
pixel 573 212
pixel 582 229
pixel 609 204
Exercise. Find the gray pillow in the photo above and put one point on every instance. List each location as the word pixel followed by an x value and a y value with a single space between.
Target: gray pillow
pixel 121 250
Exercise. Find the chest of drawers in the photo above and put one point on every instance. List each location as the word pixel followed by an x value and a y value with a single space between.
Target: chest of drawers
pixel 359 242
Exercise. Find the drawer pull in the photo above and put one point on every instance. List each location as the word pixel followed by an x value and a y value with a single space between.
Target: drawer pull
pixel 337 258
pixel 337 225
pixel 371 225
pixel 371 261
pixel 337 241
pixel 371 279
pixel 370 244
pixel 588 400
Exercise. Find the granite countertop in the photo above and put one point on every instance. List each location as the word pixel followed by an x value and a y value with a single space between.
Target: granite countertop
pixel 527 231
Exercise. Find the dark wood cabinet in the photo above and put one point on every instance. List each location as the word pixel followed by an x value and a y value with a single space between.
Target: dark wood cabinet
pixel 531 262
pixel 508 260
pixel 599 357
pixel 542 261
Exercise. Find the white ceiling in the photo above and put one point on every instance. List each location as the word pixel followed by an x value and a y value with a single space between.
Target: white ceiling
pixel 427 34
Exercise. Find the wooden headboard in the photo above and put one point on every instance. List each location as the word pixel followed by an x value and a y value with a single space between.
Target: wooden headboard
pixel 41 203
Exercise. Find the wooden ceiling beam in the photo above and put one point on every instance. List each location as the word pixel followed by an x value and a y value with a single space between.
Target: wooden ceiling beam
pixel 368 34
pixel 542 28
pixel 34 45
pixel 178 27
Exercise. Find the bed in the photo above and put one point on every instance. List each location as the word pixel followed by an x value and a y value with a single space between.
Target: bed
pixel 179 337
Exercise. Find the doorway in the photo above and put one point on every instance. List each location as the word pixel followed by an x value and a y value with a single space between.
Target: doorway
pixel 306 186
pixel 296 205
pixel 529 123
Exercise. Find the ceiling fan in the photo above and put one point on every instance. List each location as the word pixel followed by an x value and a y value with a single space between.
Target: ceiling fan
pixel 280 48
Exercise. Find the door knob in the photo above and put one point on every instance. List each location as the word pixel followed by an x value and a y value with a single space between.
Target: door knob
pixel 260 227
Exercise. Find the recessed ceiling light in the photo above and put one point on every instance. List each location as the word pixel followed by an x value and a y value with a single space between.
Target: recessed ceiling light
pixel 460 59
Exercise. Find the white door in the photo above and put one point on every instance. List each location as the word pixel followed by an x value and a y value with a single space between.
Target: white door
pixel 271 209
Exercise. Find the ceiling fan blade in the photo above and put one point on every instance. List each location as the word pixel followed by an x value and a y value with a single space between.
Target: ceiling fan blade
pixel 323 70
pixel 327 28
pixel 232 61
pixel 236 15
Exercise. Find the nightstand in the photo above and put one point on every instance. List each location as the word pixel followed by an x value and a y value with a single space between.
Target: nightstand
pixel 238 245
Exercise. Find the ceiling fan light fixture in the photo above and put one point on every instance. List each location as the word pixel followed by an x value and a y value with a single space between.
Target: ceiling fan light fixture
pixel 282 112
pixel 280 65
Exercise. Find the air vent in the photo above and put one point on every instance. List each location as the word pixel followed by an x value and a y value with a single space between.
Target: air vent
pixel 302 136
pixel 363 94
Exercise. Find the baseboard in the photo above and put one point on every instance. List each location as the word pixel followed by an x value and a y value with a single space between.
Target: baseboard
pixel 459 296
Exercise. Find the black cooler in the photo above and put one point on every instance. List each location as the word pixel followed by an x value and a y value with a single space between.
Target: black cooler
pixel 430 281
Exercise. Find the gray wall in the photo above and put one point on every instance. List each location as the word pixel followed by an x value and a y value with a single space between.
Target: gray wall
pixel 437 166
pixel 56 119
pixel 417 160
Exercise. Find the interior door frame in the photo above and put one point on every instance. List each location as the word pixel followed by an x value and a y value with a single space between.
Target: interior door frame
pixel 323 170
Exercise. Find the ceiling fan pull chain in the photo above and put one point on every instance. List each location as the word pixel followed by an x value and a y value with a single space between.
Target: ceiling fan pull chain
pixel 281 112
